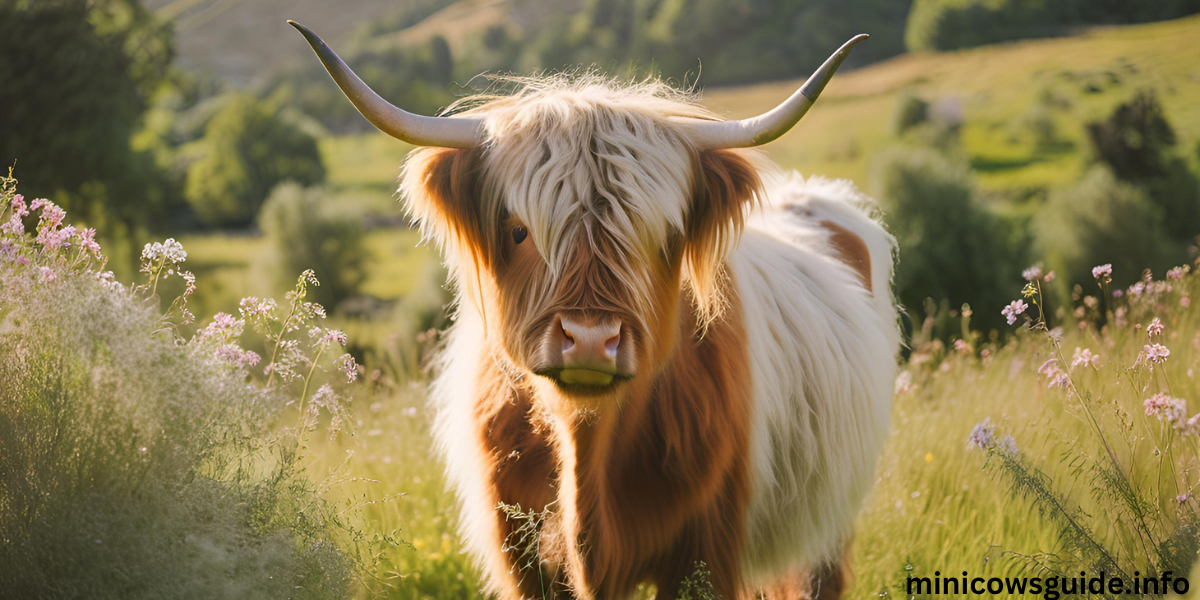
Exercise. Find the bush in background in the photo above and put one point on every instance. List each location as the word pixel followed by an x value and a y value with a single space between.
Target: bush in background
pixel 910 111
pixel 1100 220
pixel 1138 145
pixel 305 232
pixel 248 150
pixel 950 247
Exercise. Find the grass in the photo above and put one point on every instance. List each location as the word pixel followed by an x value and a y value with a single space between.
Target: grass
pixel 937 505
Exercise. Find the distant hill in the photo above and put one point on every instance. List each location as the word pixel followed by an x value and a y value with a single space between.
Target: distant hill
pixel 240 41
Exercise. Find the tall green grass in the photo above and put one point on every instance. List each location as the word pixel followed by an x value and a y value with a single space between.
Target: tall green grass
pixel 1093 478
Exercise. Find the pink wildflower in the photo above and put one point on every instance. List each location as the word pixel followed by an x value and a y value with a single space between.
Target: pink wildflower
pixel 14 225
pixel 983 435
pixel 1014 308
pixel 1157 353
pixel 1102 272
pixel 46 274
pixel 87 241
pixel 1155 327
pixel 1084 357
pixel 1048 367
pixel 1177 273
pixel 348 367
pixel 1059 379
pixel 1163 406
pixel 234 355
pixel 18 206
pixel 1032 273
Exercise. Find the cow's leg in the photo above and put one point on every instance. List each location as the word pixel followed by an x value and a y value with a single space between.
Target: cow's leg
pixel 713 542
pixel 827 582
pixel 521 477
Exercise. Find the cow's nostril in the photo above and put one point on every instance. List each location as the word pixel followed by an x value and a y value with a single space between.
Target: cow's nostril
pixel 610 345
pixel 568 342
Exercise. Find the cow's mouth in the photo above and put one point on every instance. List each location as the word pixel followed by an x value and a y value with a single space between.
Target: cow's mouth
pixel 584 381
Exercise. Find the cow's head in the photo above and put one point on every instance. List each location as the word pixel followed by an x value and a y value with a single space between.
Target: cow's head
pixel 579 216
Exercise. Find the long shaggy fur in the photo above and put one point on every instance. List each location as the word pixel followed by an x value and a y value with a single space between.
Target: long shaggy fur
pixel 767 364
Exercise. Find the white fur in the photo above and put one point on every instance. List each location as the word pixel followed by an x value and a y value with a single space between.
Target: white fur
pixel 822 352
pixel 453 396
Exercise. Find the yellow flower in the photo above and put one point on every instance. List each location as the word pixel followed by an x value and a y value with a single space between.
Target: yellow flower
pixel 928 457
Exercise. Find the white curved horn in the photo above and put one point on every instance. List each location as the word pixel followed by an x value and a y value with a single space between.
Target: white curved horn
pixel 756 131
pixel 444 132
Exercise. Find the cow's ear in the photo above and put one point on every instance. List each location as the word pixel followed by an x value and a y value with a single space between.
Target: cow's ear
pixel 440 187
pixel 727 188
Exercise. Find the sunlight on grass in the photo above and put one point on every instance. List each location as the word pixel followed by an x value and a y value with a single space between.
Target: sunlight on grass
pixel 370 160
pixel 397 262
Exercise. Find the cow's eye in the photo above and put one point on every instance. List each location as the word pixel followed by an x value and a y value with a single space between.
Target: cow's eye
pixel 519 233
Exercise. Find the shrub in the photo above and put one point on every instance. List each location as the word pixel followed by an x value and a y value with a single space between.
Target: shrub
pixel 138 463
pixel 910 111
pixel 248 150
pixel 949 246
pixel 306 232
pixel 1039 122
pixel 1103 220
pixel 1135 139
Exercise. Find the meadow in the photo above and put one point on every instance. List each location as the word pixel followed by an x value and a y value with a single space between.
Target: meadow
pixel 1068 445
pixel 935 507
pixel 1100 471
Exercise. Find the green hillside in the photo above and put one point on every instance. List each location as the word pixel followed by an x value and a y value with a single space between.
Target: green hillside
pixel 1088 74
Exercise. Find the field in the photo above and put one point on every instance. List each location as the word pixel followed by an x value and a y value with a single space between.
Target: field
pixel 935 506
pixel 1099 473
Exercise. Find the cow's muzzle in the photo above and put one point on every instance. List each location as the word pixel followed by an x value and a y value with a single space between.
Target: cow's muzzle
pixel 584 352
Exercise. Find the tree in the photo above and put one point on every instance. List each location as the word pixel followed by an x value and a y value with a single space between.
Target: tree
pixel 74 82
pixel 248 150
pixel 1137 144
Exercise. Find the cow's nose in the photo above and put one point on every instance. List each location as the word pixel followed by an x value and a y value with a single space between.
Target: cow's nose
pixel 589 351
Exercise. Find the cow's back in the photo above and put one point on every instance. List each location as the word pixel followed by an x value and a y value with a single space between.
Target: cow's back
pixel 823 361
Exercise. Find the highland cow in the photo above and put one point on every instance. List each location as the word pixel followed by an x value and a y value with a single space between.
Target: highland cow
pixel 671 351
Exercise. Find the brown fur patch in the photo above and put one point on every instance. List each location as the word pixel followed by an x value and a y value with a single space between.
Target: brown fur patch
pixel 852 250
pixel 715 220
pixel 521 469
pixel 663 482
